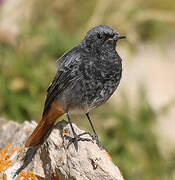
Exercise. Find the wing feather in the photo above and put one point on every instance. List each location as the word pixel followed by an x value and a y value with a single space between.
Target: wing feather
pixel 63 78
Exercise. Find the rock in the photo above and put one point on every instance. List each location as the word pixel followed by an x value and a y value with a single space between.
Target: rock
pixel 57 157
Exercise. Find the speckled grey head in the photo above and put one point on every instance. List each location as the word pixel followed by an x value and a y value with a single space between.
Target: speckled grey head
pixel 98 35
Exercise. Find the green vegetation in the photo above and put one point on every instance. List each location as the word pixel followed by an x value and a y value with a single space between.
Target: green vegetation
pixel 27 66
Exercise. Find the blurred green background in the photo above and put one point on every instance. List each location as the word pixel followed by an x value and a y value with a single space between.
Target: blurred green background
pixel 34 34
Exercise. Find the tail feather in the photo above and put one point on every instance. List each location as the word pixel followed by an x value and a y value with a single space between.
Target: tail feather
pixel 45 125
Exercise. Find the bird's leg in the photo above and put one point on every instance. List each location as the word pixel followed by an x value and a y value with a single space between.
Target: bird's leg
pixel 76 137
pixel 95 134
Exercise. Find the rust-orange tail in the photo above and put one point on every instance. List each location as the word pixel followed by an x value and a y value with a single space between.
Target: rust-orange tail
pixel 45 125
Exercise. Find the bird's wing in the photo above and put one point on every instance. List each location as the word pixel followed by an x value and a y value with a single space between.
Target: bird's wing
pixel 63 78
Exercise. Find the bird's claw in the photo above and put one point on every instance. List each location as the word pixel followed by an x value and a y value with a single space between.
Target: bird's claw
pixel 95 137
pixel 77 138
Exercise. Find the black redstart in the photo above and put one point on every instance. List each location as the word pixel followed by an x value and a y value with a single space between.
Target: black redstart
pixel 87 76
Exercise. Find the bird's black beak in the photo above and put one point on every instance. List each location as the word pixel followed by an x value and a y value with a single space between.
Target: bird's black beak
pixel 118 36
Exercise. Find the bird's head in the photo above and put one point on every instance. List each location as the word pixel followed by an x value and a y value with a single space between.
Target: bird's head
pixel 100 35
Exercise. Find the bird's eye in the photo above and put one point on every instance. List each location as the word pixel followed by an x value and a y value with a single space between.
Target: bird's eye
pixel 99 36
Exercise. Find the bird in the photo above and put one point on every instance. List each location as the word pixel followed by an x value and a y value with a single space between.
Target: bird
pixel 87 76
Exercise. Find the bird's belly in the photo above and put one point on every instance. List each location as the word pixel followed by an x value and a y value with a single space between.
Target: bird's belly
pixel 77 110
pixel 87 94
pixel 74 98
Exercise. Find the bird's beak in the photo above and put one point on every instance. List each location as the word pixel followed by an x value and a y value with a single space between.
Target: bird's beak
pixel 118 36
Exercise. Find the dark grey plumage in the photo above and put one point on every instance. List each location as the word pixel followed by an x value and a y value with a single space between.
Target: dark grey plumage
pixel 87 76
pixel 89 73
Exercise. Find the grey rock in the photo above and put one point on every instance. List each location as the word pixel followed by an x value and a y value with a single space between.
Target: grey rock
pixel 57 155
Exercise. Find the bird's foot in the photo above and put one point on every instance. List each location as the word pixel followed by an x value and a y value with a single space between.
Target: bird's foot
pixel 77 138
pixel 95 137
